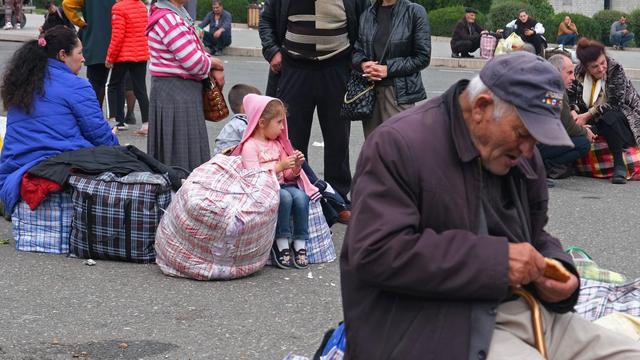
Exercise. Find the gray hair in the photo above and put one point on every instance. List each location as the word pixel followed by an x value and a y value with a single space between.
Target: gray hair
pixel 500 107
pixel 558 60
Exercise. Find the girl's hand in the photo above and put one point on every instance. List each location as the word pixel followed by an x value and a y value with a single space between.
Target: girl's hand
pixel 299 158
pixel 376 72
pixel 583 118
pixel 216 63
pixel 287 163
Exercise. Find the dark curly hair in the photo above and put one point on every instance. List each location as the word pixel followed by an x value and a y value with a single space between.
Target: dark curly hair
pixel 24 76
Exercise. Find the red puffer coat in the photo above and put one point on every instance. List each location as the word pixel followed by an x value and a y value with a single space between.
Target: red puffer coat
pixel 128 40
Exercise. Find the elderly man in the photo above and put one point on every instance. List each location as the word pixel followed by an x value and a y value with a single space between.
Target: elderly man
pixel 449 209
pixel 558 160
pixel 620 36
pixel 219 21
pixel 466 35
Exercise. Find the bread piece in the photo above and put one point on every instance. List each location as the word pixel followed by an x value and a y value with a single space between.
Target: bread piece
pixel 555 270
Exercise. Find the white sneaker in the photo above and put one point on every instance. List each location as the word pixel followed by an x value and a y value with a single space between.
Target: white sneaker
pixel 18 27
pixel 7 26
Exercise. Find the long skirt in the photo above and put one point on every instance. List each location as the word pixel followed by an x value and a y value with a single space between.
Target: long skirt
pixel 177 130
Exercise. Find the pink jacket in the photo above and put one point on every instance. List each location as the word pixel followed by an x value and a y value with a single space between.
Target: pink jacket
pixel 254 106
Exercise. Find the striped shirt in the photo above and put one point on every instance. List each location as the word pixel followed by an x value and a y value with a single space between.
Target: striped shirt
pixel 176 50
pixel 316 30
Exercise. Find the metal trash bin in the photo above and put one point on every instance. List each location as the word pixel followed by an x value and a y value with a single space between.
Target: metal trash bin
pixel 253 15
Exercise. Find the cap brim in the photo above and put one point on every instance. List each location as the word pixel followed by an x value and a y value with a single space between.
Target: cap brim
pixel 547 130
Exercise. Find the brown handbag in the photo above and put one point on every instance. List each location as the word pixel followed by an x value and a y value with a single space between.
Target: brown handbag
pixel 213 104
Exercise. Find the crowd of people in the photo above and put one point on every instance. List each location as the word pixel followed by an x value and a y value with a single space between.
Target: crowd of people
pixel 466 35
pixel 415 281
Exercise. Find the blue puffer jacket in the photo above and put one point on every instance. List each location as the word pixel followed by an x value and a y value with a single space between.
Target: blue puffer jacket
pixel 68 117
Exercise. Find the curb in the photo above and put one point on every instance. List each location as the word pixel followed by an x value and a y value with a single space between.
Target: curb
pixel 470 64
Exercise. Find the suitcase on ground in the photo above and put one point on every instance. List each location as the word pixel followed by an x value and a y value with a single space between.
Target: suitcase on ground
pixel 115 218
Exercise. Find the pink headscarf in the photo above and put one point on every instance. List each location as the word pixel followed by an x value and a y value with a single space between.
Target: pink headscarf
pixel 254 106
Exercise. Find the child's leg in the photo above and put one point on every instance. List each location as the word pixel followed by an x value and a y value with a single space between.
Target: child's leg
pixel 300 213
pixel 280 252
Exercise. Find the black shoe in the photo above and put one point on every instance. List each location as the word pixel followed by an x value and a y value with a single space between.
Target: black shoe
pixel 300 259
pixel 619 176
pixel 130 119
pixel 281 259
pixel 455 55
pixel 122 126
pixel 560 172
pixel 467 56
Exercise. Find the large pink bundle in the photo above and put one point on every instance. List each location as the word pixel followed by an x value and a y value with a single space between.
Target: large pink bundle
pixel 221 223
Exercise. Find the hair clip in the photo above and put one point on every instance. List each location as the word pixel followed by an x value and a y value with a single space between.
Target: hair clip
pixel 42 42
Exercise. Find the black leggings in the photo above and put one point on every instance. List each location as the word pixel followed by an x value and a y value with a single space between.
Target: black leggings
pixel 115 94
pixel 613 125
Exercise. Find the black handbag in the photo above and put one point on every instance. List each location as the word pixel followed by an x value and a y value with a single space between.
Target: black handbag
pixel 360 97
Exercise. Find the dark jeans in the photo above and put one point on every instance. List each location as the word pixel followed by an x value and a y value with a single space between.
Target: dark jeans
pixel 465 46
pixel 115 96
pixel 307 88
pixel 567 39
pixel 294 203
pixel 216 44
pixel 97 75
pixel 554 156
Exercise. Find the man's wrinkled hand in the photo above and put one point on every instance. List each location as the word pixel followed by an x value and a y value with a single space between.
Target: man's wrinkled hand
pixel 554 291
pixel 525 264
pixel 276 63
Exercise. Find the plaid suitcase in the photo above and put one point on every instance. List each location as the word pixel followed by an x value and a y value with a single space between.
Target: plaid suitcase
pixel 115 218
pixel 45 229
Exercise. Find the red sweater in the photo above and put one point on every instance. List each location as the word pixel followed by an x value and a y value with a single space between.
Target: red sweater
pixel 128 40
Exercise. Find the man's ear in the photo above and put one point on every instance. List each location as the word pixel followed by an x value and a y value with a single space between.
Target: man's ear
pixel 479 107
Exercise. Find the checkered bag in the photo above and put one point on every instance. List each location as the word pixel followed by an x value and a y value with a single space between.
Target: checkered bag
pixel 598 299
pixel 320 247
pixel 45 229
pixel 115 218
pixel 588 269
pixel 487 45
pixel 221 223
pixel 598 162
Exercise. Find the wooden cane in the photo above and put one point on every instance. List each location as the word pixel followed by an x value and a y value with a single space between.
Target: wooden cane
pixel 536 319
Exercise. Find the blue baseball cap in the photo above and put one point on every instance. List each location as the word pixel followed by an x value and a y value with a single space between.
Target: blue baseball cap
pixel 535 88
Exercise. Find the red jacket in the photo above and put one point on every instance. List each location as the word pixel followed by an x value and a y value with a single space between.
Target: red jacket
pixel 129 20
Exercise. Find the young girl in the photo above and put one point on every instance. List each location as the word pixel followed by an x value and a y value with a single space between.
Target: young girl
pixel 265 144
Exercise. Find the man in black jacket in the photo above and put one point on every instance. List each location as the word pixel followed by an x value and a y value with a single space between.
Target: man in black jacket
pixel 466 35
pixel 308 46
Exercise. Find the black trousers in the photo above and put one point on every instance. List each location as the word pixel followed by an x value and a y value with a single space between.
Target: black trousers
pixel 613 125
pixel 537 41
pixel 97 75
pixel 321 88
pixel 115 94
pixel 465 46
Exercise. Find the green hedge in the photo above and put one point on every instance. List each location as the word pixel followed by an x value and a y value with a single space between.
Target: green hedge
pixel 504 11
pixel 443 21
pixel 482 5
pixel 604 19
pixel 634 20
pixel 587 27
pixel 237 8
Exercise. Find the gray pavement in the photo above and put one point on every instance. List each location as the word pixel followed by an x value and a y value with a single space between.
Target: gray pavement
pixel 246 42
pixel 52 307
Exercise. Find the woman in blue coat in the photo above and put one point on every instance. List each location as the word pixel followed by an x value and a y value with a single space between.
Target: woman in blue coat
pixel 50 109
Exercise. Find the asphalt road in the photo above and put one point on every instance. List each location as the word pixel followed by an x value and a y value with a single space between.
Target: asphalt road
pixel 52 307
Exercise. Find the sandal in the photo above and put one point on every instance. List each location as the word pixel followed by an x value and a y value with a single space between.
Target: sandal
pixel 300 258
pixel 281 259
